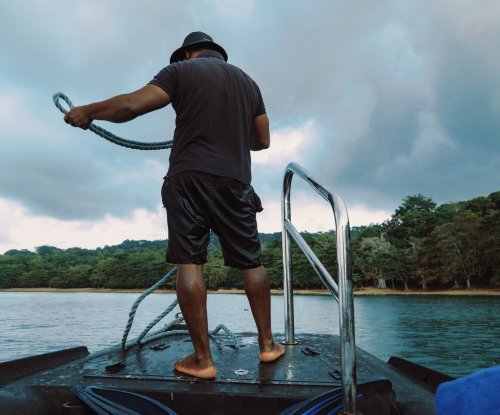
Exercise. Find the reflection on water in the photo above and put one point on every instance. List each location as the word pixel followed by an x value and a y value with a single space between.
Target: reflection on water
pixel 455 335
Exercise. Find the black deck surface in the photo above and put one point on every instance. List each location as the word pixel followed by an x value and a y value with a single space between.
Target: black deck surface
pixel 243 385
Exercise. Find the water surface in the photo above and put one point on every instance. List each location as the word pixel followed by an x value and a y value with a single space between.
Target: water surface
pixel 455 335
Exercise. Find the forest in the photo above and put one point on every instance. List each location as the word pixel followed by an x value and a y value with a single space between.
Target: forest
pixel 422 246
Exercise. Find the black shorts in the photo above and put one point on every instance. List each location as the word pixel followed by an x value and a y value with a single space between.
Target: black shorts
pixel 198 202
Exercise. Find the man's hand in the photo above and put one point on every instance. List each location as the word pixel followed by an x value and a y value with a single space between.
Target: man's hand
pixel 78 117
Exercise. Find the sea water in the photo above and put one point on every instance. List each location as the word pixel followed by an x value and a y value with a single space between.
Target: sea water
pixel 454 335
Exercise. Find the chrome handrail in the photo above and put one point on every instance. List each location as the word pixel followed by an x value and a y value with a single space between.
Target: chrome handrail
pixel 342 291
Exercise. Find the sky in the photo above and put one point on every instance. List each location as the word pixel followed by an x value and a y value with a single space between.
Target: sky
pixel 378 100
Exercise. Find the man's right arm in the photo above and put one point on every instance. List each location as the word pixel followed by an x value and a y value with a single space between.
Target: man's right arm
pixel 261 138
pixel 121 108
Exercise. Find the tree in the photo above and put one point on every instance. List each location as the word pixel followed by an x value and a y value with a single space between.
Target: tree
pixel 359 232
pixel 466 248
pixel 480 205
pixel 495 199
pixel 453 249
pixel 46 251
pixel 10 270
pixel 430 266
pixel 303 274
pixel 272 258
pixel 357 280
pixel 414 218
pixel 447 212
pixel 376 258
pixel 215 272
pixel 102 272
pixel 489 246
pixel 324 245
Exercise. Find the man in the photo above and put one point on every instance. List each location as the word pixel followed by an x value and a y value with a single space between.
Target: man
pixel 220 117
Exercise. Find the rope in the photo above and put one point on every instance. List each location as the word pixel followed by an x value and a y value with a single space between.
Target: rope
pixel 133 310
pixel 137 145
pixel 236 342
pixel 159 318
pixel 165 332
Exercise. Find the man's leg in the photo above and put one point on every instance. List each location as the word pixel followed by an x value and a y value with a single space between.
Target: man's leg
pixel 256 283
pixel 192 296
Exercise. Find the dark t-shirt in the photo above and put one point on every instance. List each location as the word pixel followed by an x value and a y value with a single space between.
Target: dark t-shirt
pixel 215 104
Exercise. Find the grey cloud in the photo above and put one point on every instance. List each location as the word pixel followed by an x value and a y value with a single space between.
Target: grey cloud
pixel 381 148
pixel 73 184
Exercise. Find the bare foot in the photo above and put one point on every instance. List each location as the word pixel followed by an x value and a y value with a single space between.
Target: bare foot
pixel 190 365
pixel 271 355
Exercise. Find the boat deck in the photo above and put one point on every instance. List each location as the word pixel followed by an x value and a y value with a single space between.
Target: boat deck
pixel 242 386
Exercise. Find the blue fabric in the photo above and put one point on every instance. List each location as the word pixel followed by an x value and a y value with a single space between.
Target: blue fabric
pixel 478 393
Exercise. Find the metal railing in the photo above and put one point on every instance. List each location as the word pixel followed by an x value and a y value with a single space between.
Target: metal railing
pixel 342 291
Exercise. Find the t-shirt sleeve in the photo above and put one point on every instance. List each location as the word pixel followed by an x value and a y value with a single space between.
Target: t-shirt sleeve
pixel 166 80
pixel 261 108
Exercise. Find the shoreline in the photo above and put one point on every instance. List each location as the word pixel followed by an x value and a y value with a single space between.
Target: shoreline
pixel 370 291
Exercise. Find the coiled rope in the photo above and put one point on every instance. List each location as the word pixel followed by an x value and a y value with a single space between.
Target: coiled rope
pixel 144 338
pixel 136 145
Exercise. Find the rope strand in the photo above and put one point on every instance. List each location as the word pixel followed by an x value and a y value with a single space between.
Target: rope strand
pixel 136 145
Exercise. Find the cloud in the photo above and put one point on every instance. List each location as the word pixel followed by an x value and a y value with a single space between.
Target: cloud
pixel 428 106
pixel 232 10
pixel 23 230
pixel 312 215
pixel 285 145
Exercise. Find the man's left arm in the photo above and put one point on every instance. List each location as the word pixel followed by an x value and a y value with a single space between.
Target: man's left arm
pixel 261 138
pixel 120 108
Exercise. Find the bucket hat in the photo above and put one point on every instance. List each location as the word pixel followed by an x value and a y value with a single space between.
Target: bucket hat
pixel 196 38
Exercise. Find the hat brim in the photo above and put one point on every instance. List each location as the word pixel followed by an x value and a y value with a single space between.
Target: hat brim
pixel 178 55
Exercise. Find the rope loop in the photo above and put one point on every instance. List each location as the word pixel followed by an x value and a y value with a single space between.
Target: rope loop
pixel 136 145
pixel 58 96
pixel 234 339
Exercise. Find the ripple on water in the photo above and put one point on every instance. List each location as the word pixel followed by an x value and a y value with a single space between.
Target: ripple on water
pixel 455 335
